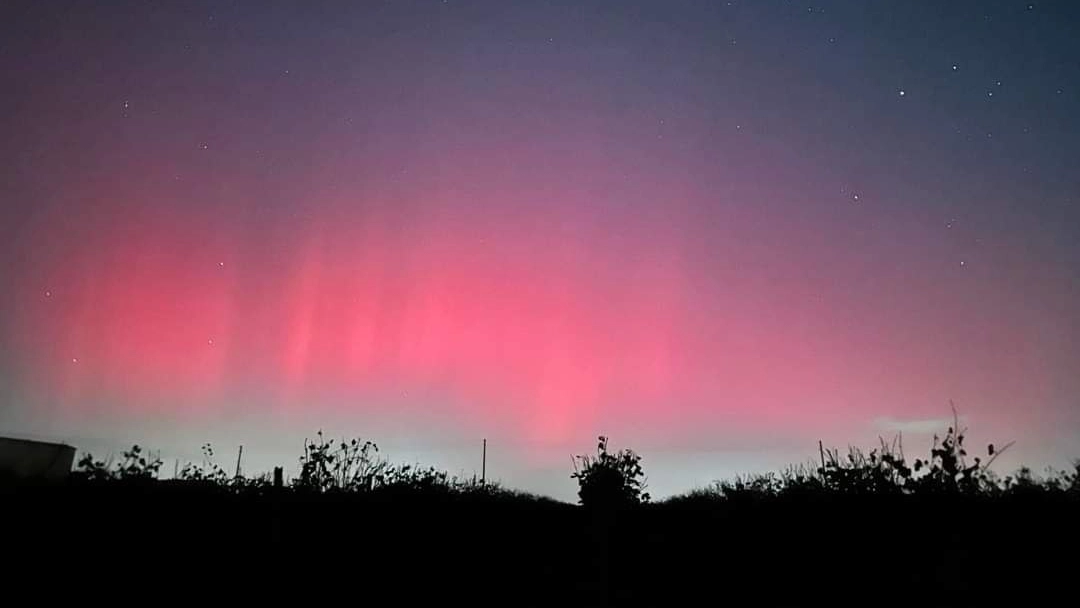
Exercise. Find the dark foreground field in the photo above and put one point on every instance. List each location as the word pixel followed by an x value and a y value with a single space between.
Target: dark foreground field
pixel 481 547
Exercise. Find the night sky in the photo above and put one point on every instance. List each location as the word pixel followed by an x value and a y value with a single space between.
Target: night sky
pixel 716 231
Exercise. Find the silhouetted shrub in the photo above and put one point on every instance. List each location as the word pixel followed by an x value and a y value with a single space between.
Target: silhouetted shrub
pixel 884 471
pixel 351 466
pixel 355 466
pixel 135 466
pixel 610 479
pixel 207 472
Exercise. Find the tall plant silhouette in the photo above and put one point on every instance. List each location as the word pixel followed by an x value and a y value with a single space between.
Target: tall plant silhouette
pixel 610 479
pixel 208 472
pixel 350 466
pixel 884 470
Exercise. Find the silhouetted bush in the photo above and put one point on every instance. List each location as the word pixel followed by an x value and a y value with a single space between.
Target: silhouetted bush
pixel 135 466
pixel 207 472
pixel 610 479
pixel 210 474
pixel 884 471
pixel 355 466
pixel 352 466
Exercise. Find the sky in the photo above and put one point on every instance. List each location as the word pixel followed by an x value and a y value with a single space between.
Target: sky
pixel 715 231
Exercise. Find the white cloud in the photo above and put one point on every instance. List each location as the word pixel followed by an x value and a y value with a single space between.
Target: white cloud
pixel 916 426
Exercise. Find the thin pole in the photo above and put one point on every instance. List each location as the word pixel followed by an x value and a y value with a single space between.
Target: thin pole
pixel 238 455
pixel 821 450
pixel 483 465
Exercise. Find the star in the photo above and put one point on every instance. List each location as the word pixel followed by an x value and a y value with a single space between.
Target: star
pixel 989 93
pixel 955 67
pixel 74 359
pixel 221 264
pixel 210 341
pixel 902 92
pixel 48 294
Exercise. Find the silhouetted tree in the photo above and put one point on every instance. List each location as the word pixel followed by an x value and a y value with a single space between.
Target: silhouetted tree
pixel 610 479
